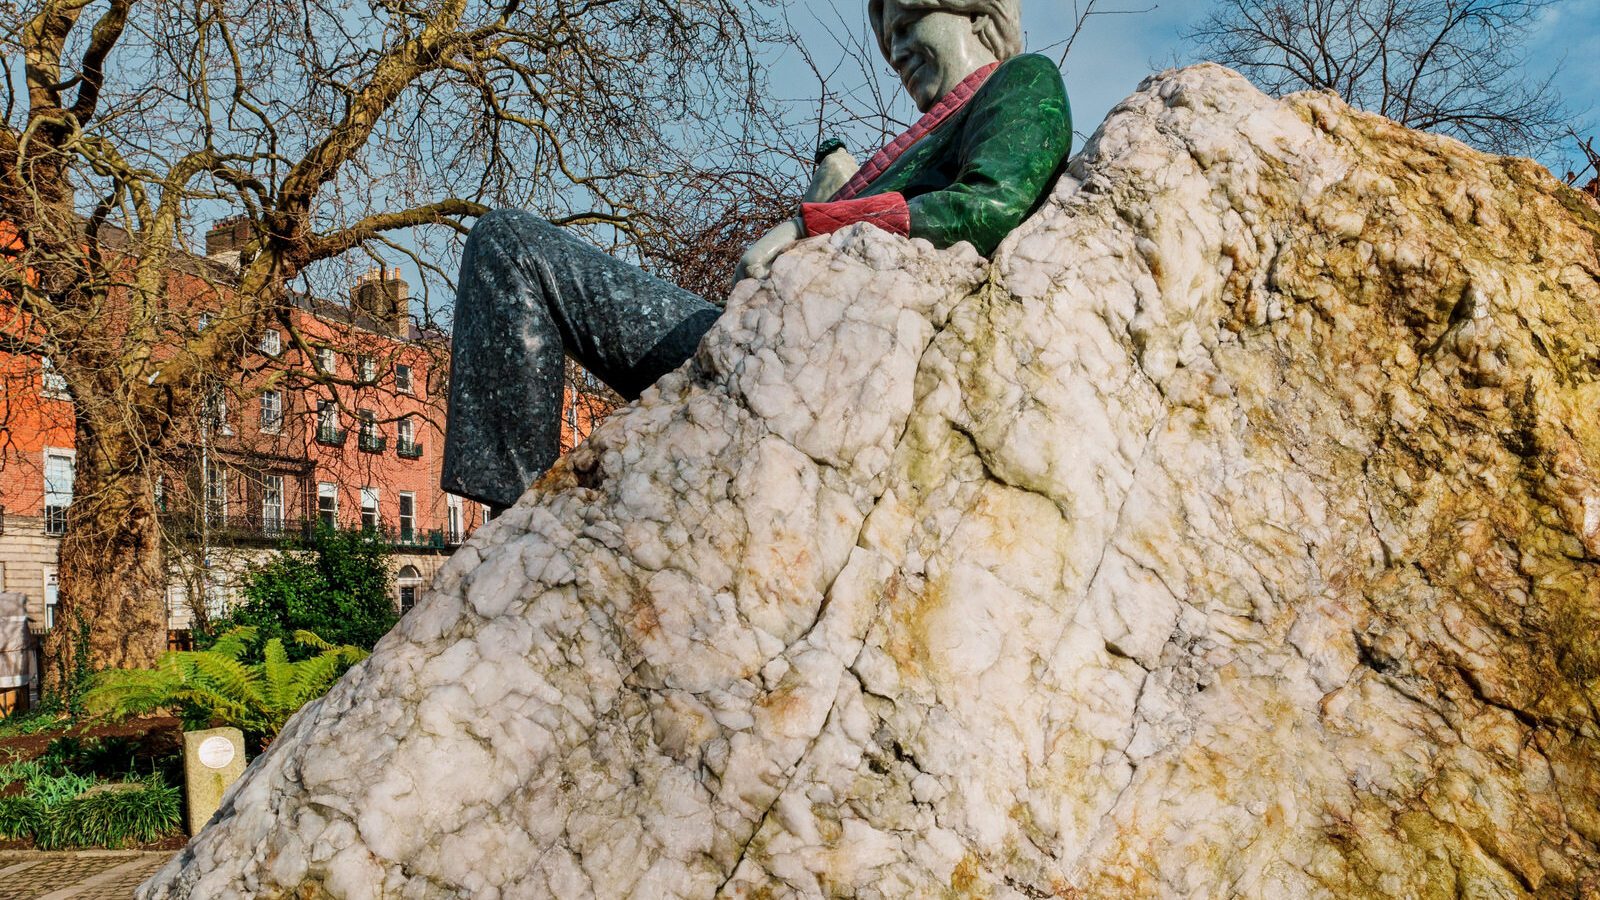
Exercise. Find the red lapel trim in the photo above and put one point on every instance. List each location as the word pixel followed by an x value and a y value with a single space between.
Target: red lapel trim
pixel 944 109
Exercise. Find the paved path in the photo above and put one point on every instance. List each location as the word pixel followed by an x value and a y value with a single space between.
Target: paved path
pixel 81 875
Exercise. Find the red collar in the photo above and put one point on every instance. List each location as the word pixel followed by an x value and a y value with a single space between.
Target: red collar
pixel 933 118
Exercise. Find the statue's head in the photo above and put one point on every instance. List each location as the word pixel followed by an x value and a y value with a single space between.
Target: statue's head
pixel 934 44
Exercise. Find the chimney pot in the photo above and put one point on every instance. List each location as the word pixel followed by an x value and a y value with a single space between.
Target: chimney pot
pixel 383 296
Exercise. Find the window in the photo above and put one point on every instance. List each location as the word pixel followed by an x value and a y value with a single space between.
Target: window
pixel 52 596
pixel 204 321
pixel 409 580
pixel 369 369
pixel 327 360
pixel 371 439
pixel 216 494
pixel 452 533
pixel 217 413
pixel 161 493
pixel 52 383
pixel 271 342
pixel 402 379
pixel 406 438
pixel 272 504
pixel 369 509
pixel 58 466
pixel 408 517
pixel 328 503
pixel 328 430
pixel 483 514
pixel 271 411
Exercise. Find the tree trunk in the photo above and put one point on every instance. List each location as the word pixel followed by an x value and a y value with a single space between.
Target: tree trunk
pixel 112 578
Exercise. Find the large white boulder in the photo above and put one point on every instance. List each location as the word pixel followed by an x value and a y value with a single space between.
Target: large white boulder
pixel 1234 533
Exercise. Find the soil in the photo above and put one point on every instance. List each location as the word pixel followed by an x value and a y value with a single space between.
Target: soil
pixel 151 739
pixel 160 736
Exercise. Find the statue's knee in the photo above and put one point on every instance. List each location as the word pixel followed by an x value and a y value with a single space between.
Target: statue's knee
pixel 509 226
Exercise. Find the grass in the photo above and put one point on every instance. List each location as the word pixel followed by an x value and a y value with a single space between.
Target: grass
pixel 55 812
pixel 33 721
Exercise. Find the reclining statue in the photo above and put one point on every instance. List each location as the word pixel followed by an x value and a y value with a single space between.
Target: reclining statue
pixel 995 131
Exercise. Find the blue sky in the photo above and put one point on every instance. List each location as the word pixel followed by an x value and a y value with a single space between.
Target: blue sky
pixel 1115 52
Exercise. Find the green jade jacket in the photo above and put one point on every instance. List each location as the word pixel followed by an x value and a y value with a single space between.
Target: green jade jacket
pixel 971 169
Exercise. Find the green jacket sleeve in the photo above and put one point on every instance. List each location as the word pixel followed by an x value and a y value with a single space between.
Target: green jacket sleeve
pixel 1017 133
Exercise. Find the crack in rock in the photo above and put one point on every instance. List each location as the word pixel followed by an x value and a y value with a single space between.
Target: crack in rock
pixel 1232 531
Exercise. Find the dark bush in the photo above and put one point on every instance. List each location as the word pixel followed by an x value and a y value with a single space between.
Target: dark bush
pixel 333 583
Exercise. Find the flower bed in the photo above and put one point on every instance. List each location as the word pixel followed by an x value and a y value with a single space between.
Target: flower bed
pixel 103 786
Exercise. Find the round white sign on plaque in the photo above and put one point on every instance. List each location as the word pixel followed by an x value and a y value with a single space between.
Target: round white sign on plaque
pixel 216 752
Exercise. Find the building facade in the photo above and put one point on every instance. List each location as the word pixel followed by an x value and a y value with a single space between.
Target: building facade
pixel 336 416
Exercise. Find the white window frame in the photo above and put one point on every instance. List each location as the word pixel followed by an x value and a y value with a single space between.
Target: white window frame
pixel 52 383
pixel 271 412
pixel 367 369
pixel 216 410
pixel 56 524
pixel 327 361
pixel 453 517
pixel 403 385
pixel 327 490
pixel 271 342
pixel 52 595
pixel 408 523
pixel 374 509
pixel 272 504
pixel 215 492
pixel 405 582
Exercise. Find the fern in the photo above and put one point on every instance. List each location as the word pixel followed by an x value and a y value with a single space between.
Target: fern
pixel 213 687
pixel 235 642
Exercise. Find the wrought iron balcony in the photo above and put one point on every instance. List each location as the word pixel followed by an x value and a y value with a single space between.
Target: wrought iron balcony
pixel 408 449
pixel 370 442
pixel 333 437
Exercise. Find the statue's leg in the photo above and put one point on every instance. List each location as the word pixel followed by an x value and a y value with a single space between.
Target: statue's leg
pixel 529 291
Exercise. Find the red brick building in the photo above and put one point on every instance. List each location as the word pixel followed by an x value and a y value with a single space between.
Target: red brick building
pixel 336 415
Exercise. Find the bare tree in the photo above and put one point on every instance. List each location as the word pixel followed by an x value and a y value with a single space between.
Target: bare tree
pixel 1456 67
pixel 333 130
pixel 1587 178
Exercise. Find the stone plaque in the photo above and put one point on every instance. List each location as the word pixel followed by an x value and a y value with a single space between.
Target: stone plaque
pixel 216 752
pixel 212 761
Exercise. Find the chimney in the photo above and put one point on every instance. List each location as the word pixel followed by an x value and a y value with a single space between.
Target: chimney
pixel 383 297
pixel 227 238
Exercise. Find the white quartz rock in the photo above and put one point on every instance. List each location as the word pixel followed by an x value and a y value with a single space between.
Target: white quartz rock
pixel 1232 533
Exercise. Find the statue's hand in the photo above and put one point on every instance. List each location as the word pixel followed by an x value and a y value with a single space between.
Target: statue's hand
pixel 757 260
pixel 835 166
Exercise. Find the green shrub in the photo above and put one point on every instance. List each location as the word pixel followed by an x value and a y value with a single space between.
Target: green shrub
pixel 50 788
pixel 215 687
pixel 333 583
pixel 54 811
pixel 110 819
pixel 41 718
pixel 20 771
pixel 19 817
